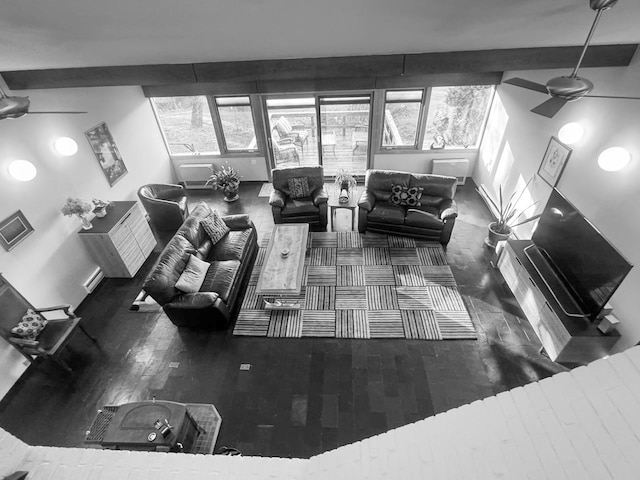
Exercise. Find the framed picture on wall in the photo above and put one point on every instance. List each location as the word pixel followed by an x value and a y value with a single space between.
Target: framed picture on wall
pixel 554 160
pixel 14 229
pixel 106 152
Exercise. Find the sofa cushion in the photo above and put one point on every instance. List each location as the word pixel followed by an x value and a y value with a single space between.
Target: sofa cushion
pixel 401 195
pixel 380 182
pixel 299 206
pixel 214 227
pixel 193 275
pixel 435 185
pixel 430 201
pixel 161 282
pixel 385 212
pixel 191 229
pixel 424 217
pixel 221 277
pixel 233 246
pixel 298 187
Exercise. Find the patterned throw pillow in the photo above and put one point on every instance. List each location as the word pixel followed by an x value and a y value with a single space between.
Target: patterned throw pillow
pixel 409 196
pixel 215 227
pixel 299 187
pixel 30 326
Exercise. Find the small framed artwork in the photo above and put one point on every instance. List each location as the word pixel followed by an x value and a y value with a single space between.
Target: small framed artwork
pixel 554 161
pixel 106 152
pixel 14 229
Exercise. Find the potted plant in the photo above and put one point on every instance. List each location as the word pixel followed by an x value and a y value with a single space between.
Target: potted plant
pixel 508 214
pixel 346 183
pixel 100 207
pixel 227 179
pixel 80 208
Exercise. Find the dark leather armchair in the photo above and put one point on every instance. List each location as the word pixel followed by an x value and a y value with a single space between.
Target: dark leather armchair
pixel 311 208
pixel 432 219
pixel 51 340
pixel 166 205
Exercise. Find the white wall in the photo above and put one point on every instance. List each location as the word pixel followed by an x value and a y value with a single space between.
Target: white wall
pixel 49 266
pixel 515 142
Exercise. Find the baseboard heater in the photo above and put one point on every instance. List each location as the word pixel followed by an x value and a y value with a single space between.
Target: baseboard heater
pixel 452 167
pixel 93 280
pixel 194 175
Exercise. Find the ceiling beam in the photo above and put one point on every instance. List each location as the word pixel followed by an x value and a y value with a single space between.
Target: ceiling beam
pixel 378 69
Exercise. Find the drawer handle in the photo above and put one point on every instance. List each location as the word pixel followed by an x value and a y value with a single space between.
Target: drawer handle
pixel 518 260
pixel 124 219
pixel 549 307
pixel 532 282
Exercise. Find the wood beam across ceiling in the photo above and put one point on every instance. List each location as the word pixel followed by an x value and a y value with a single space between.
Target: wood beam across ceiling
pixel 371 70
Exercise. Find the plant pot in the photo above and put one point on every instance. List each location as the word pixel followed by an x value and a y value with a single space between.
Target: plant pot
pixel 100 212
pixel 86 224
pixel 230 193
pixel 493 237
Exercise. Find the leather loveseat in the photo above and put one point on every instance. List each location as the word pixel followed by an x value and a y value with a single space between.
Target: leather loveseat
pixel 417 205
pixel 231 260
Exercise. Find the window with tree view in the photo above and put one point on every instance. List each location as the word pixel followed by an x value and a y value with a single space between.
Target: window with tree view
pixel 186 124
pixel 456 116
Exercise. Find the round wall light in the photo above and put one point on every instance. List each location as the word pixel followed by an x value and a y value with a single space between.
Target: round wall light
pixel 571 133
pixel 614 159
pixel 65 146
pixel 22 170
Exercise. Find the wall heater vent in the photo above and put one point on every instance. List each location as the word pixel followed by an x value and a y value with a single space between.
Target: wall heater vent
pixel 194 175
pixel 93 281
pixel 453 168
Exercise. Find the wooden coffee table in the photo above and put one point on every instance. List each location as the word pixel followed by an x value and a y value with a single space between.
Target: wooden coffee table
pixel 283 265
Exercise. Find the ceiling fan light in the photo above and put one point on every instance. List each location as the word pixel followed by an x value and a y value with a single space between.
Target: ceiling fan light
pixel 65 146
pixel 614 159
pixel 22 170
pixel 571 133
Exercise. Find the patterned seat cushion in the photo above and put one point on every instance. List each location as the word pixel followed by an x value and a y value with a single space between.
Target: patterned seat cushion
pixel 30 325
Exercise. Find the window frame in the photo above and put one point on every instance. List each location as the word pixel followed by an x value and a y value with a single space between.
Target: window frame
pixel 426 93
pixel 217 124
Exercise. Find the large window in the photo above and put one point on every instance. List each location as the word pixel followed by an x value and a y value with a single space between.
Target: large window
pixel 402 118
pixel 236 122
pixel 456 116
pixel 186 124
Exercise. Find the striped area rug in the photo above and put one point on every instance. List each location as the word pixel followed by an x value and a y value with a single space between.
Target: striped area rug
pixel 364 286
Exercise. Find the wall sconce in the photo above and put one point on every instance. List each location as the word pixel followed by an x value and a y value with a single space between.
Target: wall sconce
pixel 571 133
pixel 65 146
pixel 22 170
pixel 614 159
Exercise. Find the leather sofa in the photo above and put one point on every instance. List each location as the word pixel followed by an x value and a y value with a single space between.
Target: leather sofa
pixel 231 261
pixel 166 205
pixel 311 208
pixel 433 219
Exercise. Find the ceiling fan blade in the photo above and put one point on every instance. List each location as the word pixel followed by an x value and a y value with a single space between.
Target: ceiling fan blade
pixel 611 96
pixel 31 113
pixel 550 107
pixel 521 82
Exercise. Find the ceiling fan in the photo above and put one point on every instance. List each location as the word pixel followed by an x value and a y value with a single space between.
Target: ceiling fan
pixel 568 88
pixel 16 107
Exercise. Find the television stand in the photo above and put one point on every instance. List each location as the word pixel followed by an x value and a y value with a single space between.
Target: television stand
pixel 567 338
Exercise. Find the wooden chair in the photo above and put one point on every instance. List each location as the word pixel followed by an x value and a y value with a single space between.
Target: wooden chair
pixel 51 340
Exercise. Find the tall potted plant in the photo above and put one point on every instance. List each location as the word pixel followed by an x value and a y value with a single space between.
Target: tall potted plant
pixel 508 215
pixel 227 179
pixel 78 207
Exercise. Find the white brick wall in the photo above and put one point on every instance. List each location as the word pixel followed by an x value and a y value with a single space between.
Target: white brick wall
pixel 583 424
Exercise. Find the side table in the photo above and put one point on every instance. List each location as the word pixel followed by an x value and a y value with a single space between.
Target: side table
pixel 352 204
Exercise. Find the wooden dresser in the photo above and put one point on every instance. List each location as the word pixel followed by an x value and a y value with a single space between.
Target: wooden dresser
pixel 121 241
pixel 566 338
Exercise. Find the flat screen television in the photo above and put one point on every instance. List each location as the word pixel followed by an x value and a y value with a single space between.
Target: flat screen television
pixel 588 265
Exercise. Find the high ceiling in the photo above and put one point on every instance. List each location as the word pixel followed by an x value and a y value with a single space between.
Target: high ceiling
pixel 36 34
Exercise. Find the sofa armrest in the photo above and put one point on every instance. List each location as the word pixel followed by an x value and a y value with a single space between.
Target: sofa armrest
pixel 319 195
pixel 237 222
pixel 367 201
pixel 277 199
pixel 448 209
pixel 193 300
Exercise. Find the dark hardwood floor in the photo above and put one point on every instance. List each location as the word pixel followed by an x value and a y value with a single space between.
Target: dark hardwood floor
pixel 301 396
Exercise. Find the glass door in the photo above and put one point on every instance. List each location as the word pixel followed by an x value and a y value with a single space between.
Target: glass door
pixel 344 133
pixel 292 131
